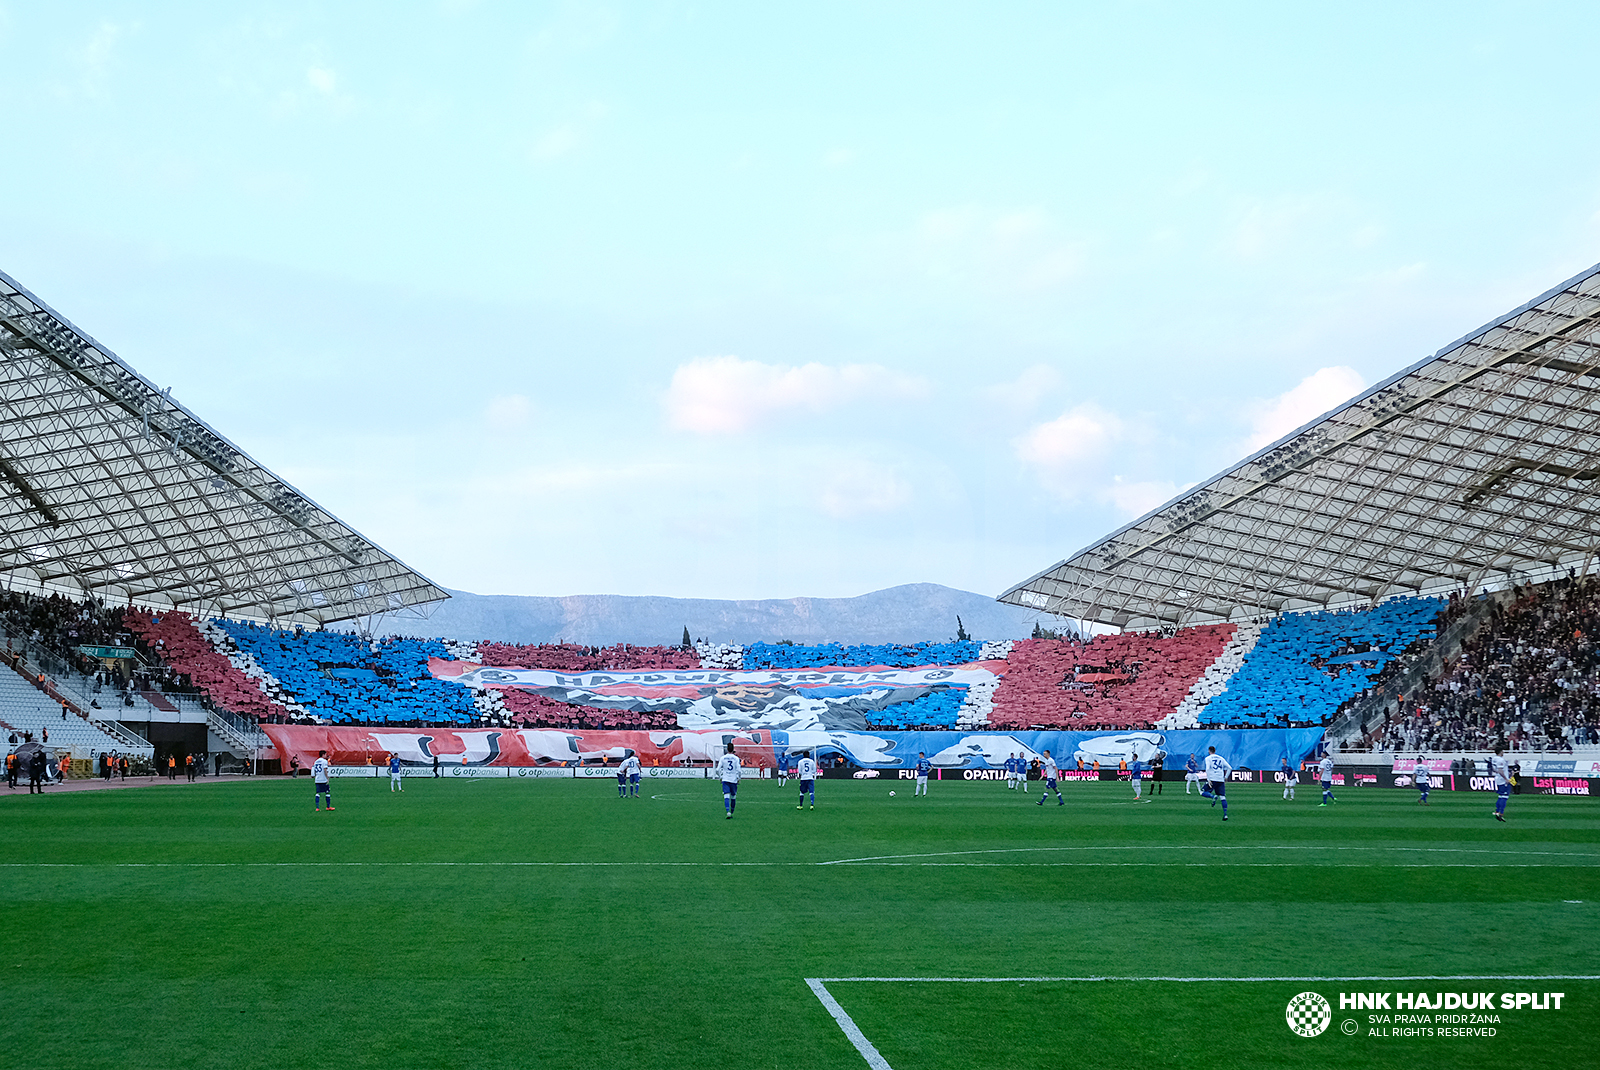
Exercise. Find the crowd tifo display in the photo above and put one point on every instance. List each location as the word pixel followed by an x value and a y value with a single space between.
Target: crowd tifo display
pixel 1530 672
pixel 1294 670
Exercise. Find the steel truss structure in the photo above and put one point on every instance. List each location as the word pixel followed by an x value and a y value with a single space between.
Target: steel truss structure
pixel 114 489
pixel 1474 467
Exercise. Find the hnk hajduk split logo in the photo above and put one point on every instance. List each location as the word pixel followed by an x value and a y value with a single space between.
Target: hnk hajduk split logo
pixel 1309 1014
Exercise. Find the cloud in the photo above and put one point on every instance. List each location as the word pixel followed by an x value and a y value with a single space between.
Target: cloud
pixel 1024 393
pixel 1075 457
pixel 862 487
pixel 1136 499
pixel 321 80
pixel 563 138
pixel 1058 448
pixel 1010 251
pixel 508 412
pixel 1315 395
pixel 555 143
pixel 726 395
pixel 97 53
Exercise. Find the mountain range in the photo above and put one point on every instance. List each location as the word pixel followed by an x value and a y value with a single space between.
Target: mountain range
pixel 911 613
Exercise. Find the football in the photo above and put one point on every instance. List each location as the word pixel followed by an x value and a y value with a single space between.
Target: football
pixel 891 795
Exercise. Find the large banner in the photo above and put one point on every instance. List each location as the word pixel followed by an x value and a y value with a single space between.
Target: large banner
pixel 468 748
pixel 716 699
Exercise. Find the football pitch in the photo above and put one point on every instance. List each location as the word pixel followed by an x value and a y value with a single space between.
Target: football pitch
pixel 521 923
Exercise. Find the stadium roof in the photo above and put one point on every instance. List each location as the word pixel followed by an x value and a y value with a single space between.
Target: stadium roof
pixel 113 488
pixel 1474 467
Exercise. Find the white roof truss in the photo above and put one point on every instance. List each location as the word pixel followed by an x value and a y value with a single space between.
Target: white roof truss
pixel 1476 466
pixel 109 487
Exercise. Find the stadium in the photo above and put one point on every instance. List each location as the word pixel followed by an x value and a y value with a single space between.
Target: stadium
pixel 1405 587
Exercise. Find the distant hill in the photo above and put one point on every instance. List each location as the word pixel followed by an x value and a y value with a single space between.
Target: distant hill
pixel 913 613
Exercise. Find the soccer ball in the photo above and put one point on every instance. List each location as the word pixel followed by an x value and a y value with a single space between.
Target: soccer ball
pixel 891 795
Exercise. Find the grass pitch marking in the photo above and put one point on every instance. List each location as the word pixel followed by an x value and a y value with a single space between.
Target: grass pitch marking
pixel 875 1059
pixel 1197 847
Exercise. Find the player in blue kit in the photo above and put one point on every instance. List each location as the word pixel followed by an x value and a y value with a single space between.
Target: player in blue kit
pixel 622 780
pixel 729 772
pixel 1502 782
pixel 924 767
pixel 1136 778
pixel 1191 775
pixel 635 768
pixel 1289 779
pixel 1424 782
pixel 783 768
pixel 1217 770
pixel 394 773
pixel 806 772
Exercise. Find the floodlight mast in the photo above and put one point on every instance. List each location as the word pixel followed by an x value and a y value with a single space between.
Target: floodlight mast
pixel 1474 465
pixel 122 493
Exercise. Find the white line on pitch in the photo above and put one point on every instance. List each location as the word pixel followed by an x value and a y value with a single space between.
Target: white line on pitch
pixel 1240 980
pixel 876 1061
pixel 852 1031
pixel 1208 847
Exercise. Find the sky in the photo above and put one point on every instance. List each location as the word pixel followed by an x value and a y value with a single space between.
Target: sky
pixel 757 300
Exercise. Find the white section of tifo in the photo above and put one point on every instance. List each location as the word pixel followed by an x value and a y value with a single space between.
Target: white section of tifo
pixel 462 651
pixel 720 655
pixel 976 707
pixel 246 663
pixel 979 703
pixel 995 650
pixel 1214 681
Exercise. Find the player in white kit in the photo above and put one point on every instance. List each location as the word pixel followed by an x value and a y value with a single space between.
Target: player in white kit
pixel 728 770
pixel 1217 770
pixel 806 773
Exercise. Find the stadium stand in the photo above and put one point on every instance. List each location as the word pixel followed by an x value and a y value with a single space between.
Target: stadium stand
pixel 28 712
pixel 342 679
pixel 1529 676
pixel 1304 665
pixel 177 641
pixel 1214 680
pixel 1131 680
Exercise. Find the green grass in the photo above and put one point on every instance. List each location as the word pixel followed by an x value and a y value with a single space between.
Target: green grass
pixel 548 923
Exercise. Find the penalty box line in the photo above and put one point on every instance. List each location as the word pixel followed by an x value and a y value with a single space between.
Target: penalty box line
pixel 875 1059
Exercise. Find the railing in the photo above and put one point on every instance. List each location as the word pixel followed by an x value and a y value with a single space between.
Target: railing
pixel 128 730
pixel 237 731
pixel 65 684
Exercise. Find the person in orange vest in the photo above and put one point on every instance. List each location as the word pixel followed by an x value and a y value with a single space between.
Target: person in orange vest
pixel 172 767
pixel 188 767
pixel 11 770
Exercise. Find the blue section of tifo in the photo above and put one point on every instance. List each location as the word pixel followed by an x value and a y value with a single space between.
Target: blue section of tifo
pixel 938 709
pixel 1278 681
pixel 1259 748
pixel 339 677
pixel 783 656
